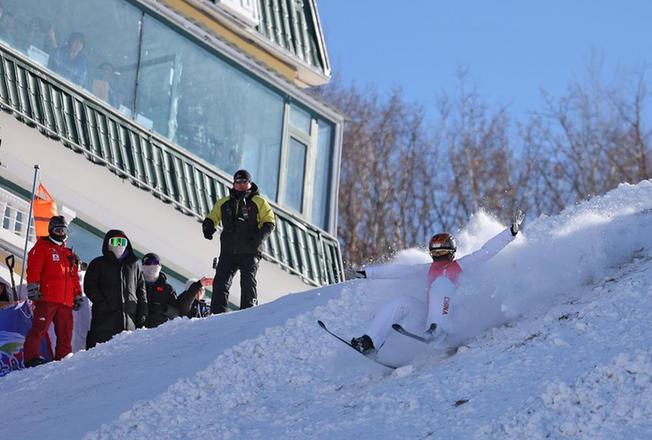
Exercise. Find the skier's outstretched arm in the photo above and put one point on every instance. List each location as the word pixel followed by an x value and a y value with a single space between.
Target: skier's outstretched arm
pixel 393 271
pixel 494 245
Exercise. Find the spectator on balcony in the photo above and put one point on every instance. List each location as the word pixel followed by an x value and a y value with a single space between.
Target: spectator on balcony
pixel 115 285
pixel 53 285
pixel 69 60
pixel 38 35
pixel 9 28
pixel 247 220
pixel 105 85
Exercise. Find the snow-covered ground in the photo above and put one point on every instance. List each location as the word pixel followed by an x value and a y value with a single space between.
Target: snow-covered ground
pixel 556 345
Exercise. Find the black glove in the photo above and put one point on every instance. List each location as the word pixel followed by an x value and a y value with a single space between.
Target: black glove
pixel 517 220
pixel 77 302
pixel 171 312
pixel 140 321
pixel 208 228
pixel 34 291
pixel 361 274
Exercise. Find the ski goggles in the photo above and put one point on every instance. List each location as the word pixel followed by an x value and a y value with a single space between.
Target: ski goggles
pixel 60 230
pixel 118 242
pixel 439 252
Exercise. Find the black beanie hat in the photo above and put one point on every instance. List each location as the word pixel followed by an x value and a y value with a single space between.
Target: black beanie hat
pixel 58 221
pixel 151 259
pixel 242 174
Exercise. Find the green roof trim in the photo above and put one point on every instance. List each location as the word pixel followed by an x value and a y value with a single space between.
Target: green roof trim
pixel 293 25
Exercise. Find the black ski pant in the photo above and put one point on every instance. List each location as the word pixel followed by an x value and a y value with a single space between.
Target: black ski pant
pixel 227 266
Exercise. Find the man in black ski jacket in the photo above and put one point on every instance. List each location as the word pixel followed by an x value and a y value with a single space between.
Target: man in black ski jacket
pixel 247 220
pixel 115 285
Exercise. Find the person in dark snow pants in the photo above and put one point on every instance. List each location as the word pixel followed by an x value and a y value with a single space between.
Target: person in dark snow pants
pixel 247 220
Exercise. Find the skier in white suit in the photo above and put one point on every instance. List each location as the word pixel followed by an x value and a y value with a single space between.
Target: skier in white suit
pixel 442 278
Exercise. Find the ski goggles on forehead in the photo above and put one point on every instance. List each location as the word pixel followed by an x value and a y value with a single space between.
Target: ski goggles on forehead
pixel 118 242
pixel 439 252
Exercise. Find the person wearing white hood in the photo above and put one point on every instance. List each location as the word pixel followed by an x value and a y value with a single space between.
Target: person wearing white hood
pixel 115 285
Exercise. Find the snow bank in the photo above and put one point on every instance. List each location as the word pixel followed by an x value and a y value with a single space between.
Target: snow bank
pixel 573 358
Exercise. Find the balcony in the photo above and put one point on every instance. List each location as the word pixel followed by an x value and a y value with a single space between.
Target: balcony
pixel 149 162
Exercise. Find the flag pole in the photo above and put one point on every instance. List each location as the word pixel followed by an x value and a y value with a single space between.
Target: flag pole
pixel 29 224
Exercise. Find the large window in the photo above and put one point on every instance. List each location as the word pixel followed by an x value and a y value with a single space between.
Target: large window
pixel 209 106
pixel 295 175
pixel 323 166
pixel 92 43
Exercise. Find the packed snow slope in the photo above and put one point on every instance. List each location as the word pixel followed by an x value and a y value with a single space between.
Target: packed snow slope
pixel 556 345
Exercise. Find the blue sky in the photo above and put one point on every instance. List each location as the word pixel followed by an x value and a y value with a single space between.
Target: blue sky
pixel 511 48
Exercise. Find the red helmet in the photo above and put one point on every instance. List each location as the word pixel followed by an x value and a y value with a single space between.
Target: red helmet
pixel 442 245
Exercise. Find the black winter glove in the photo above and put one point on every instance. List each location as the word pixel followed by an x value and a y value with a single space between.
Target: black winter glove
pixel 171 312
pixel 517 220
pixel 208 228
pixel 140 321
pixel 34 291
pixel 77 302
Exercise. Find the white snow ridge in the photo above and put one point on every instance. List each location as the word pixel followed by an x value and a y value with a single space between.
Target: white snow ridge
pixel 556 345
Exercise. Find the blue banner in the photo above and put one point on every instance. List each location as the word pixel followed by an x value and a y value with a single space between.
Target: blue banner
pixel 15 322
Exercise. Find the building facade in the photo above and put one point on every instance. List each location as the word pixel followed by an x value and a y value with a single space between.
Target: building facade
pixel 138 112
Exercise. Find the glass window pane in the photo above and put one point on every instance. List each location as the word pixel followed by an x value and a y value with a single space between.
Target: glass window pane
pixel 321 196
pixel 296 166
pixel 92 43
pixel 209 107
pixel 300 119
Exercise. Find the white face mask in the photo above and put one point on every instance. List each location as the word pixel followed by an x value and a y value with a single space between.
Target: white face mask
pixel 151 273
pixel 118 251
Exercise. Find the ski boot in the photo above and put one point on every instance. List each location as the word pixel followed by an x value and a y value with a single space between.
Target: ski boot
pixel 35 362
pixel 363 344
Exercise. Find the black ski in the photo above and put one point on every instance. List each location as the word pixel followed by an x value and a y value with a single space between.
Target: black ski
pixel 432 339
pixel 424 339
pixel 371 356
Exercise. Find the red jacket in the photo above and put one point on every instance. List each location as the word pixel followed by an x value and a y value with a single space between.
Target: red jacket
pixel 53 267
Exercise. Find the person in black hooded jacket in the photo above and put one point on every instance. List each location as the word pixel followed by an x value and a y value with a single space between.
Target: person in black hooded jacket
pixel 115 285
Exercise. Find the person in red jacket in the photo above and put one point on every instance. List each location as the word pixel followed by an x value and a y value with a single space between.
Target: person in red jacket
pixel 53 285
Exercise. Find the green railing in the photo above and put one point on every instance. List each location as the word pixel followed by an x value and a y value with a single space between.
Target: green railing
pixel 90 127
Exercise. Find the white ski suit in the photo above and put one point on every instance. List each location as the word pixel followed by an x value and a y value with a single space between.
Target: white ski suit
pixel 442 276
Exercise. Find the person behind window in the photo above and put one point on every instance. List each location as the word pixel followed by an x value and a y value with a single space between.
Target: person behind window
pixel 69 61
pixel 9 28
pixel 105 85
pixel 115 285
pixel 38 35
pixel 247 220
